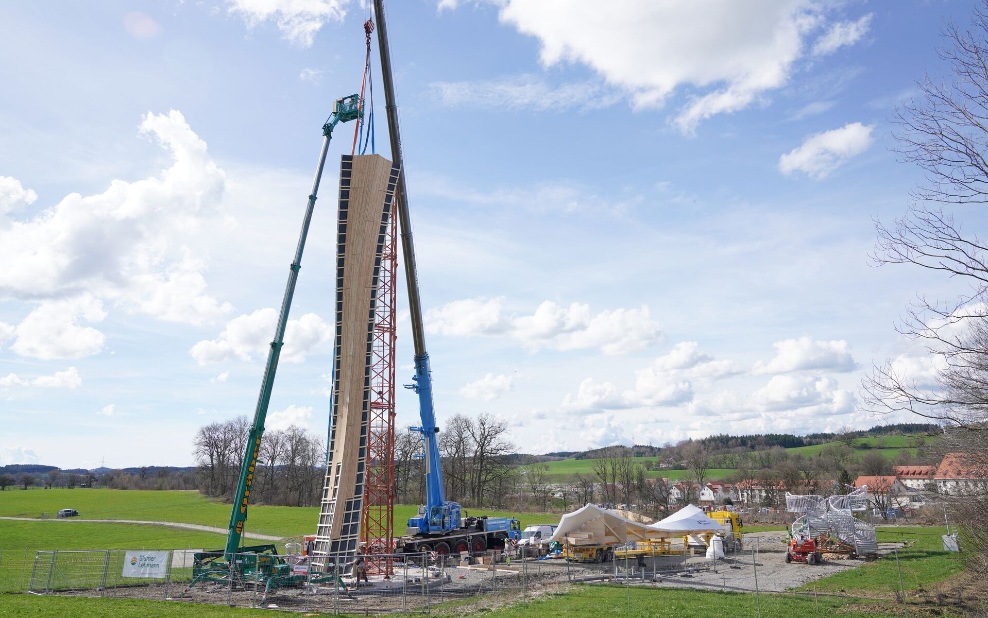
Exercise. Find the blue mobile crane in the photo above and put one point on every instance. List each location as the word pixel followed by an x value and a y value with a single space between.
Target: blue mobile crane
pixel 440 525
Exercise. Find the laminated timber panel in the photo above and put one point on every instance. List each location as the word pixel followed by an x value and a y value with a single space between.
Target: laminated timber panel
pixel 367 185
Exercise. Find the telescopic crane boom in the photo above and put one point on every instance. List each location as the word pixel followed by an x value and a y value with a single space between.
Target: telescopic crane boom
pixel 440 516
pixel 345 109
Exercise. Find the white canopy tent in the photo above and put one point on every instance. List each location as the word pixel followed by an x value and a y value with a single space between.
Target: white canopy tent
pixel 687 520
pixel 592 525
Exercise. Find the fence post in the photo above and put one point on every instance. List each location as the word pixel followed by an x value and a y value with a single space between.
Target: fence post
pixel 106 568
pixel 51 570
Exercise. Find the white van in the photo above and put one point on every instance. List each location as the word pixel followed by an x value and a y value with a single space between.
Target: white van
pixel 536 535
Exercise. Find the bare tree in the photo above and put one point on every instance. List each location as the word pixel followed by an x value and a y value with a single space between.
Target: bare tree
pixel 585 488
pixel 489 462
pixel 537 479
pixel 6 481
pixel 945 133
pixel 697 458
pixel 409 476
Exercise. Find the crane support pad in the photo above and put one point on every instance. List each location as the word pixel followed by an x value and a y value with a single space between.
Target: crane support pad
pixel 367 187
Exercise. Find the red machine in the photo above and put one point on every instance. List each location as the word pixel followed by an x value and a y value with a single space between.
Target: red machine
pixel 803 549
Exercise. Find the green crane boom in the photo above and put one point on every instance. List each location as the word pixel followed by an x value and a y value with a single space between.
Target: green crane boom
pixel 345 109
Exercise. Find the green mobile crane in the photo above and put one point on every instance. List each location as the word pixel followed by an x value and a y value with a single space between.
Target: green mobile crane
pixel 260 563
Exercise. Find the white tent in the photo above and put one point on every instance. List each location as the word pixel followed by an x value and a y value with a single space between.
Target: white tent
pixel 688 520
pixel 592 525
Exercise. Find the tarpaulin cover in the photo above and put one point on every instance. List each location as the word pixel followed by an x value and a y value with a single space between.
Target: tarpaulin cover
pixel 687 520
pixel 592 525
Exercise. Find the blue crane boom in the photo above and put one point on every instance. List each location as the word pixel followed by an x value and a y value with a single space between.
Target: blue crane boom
pixel 440 515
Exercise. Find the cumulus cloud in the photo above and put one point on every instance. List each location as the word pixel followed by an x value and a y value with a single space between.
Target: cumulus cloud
pixel 575 327
pixel 69 379
pixel 806 354
pixel 140 25
pixel 668 381
pixel 248 336
pixel 125 244
pixel 53 330
pixel 526 92
pixel 791 392
pixel 10 455
pixel 292 415
pixel 107 410
pixel 466 318
pixel 617 331
pixel 488 388
pixel 592 397
pixel 842 34
pixel 728 54
pixel 298 20
pixel 822 153
pixel 13 196
pixel 310 75
pixel 601 430
pixel 6 333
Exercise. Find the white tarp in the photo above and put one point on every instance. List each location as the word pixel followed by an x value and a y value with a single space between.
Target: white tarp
pixel 592 525
pixel 152 564
pixel 688 520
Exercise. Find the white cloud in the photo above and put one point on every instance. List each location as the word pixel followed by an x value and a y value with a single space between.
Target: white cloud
pixel 466 318
pixel 792 392
pixel 298 20
pixel 10 455
pixel 311 75
pixel 141 26
pixel 729 53
pixel 69 379
pixel 13 196
pixel 6 333
pixel 292 415
pixel 526 92
pixel 221 377
pixel 617 331
pixel 488 388
pixel 127 243
pixel 248 336
pixel 824 152
pixel 107 410
pixel 601 430
pixel 52 331
pixel 842 34
pixel 592 397
pixel 806 354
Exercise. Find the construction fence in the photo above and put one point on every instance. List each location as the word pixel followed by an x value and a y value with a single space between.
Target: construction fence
pixel 397 584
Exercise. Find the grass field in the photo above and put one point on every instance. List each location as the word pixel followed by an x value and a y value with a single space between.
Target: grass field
pixel 866 591
pixel 172 506
pixel 566 468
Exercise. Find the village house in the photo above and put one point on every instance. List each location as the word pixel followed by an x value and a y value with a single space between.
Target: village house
pixel 960 474
pixel 916 478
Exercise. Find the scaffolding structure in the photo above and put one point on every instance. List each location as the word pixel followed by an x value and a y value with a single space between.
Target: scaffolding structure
pixel 377 517
pixel 834 517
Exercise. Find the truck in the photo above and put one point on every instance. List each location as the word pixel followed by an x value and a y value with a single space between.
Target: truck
pixel 474 534
pixel 440 524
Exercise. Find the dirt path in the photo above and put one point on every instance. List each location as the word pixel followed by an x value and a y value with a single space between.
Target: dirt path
pixel 170 524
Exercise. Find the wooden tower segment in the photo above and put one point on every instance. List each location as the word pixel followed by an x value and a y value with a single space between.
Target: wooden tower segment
pixel 367 185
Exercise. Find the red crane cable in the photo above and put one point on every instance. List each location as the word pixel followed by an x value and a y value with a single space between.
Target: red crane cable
pixel 368 29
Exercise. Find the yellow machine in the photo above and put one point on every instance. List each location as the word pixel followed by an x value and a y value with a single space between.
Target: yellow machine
pixel 733 520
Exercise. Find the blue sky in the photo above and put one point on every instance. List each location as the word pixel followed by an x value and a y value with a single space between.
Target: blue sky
pixel 634 224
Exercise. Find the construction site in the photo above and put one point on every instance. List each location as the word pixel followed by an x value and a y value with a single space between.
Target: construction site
pixel 356 558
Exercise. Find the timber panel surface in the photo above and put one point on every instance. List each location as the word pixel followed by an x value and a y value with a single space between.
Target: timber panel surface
pixel 367 186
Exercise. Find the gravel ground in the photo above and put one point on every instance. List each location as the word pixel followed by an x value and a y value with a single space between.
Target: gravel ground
pixel 761 566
